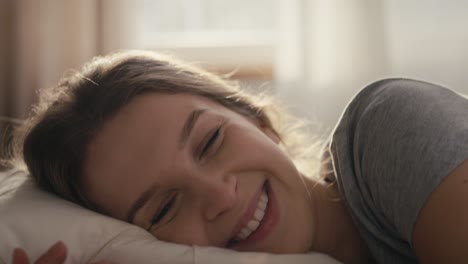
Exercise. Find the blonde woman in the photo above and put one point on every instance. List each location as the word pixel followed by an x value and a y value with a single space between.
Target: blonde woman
pixel 193 159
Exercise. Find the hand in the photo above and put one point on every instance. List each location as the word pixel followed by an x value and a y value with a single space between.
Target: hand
pixel 57 254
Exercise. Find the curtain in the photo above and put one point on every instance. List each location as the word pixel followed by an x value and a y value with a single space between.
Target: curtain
pixel 42 39
pixel 327 50
pixel 39 40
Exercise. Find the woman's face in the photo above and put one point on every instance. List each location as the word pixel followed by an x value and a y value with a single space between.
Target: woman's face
pixel 191 171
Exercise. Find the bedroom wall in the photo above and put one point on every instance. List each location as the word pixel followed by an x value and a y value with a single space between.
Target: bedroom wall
pixel 429 40
pixel 344 45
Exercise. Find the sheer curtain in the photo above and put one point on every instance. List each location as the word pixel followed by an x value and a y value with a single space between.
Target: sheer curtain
pixel 327 50
pixel 41 39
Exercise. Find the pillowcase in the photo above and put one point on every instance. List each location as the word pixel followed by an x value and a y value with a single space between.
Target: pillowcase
pixel 34 220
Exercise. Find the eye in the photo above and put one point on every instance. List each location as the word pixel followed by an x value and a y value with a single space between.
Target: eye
pixel 160 214
pixel 213 136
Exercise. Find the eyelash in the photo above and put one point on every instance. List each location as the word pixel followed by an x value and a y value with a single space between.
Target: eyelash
pixel 160 214
pixel 212 139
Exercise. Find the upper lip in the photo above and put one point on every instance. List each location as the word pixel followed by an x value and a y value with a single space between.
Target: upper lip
pixel 247 215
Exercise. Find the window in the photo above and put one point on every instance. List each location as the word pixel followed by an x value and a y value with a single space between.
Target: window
pixel 224 36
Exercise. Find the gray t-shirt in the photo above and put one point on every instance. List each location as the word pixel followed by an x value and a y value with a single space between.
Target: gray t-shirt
pixel 395 142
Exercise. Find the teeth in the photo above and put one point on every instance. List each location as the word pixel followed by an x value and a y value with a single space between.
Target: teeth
pixel 259 213
pixel 245 232
pixel 253 224
pixel 262 205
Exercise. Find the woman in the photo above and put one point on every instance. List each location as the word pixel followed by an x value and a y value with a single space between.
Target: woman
pixel 195 160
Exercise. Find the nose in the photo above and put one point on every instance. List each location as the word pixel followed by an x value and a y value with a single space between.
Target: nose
pixel 218 196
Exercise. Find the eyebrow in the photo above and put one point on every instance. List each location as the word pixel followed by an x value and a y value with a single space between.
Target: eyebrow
pixel 189 124
pixel 141 201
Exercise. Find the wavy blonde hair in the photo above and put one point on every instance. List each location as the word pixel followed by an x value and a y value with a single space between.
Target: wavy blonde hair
pixel 52 143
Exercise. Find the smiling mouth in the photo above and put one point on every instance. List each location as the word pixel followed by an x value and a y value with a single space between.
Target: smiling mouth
pixel 250 232
pixel 257 218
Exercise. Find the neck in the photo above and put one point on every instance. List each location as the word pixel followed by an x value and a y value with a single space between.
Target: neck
pixel 336 234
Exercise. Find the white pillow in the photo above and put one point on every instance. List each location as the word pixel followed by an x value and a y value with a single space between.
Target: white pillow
pixel 33 219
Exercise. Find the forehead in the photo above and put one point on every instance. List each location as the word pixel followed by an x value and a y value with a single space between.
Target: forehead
pixel 147 118
pixel 157 109
pixel 162 104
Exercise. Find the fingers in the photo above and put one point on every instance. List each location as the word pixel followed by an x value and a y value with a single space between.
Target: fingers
pixel 20 256
pixel 57 254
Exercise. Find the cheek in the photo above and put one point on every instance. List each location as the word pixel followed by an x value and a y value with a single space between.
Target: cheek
pixel 253 150
pixel 186 229
pixel 249 141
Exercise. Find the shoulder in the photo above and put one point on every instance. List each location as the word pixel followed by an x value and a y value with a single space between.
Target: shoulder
pixel 411 144
pixel 387 101
pixel 395 142
pixel 441 231
pixel 397 102
pixel 399 90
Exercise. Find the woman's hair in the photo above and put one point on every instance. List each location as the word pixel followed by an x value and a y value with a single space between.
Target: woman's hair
pixel 53 142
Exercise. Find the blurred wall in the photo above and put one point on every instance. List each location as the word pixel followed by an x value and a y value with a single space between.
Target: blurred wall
pixel 428 40
pixel 335 47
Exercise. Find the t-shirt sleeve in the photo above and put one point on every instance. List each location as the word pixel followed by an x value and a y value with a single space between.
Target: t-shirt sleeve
pixel 395 142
